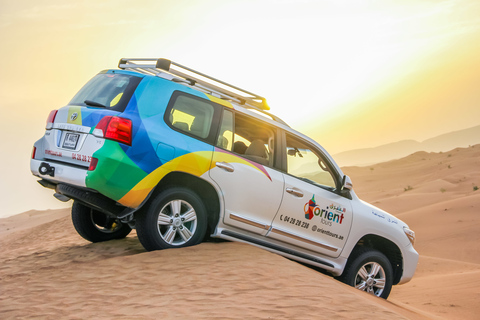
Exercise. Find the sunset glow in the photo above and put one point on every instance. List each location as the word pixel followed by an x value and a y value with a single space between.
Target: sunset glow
pixel 350 74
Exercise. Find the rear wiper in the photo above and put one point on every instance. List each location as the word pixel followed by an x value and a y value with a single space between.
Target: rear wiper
pixel 94 104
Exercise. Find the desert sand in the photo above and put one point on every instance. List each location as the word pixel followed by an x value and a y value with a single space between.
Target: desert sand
pixel 47 271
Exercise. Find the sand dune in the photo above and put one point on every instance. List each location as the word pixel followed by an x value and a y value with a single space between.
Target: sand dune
pixel 445 288
pixel 435 194
pixel 49 272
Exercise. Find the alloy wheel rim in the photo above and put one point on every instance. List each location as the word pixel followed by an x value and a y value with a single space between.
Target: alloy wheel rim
pixel 177 222
pixel 371 278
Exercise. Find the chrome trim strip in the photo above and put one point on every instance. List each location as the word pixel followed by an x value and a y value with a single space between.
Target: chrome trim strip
pixel 292 236
pixel 249 222
pixel 71 127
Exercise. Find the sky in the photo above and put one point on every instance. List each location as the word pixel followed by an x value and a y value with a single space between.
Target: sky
pixel 350 74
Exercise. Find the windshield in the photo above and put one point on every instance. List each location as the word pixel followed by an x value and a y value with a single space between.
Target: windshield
pixel 108 90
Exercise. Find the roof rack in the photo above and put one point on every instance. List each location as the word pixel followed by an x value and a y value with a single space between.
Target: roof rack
pixel 218 88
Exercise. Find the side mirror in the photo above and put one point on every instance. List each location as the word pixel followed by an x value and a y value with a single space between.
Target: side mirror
pixel 347 183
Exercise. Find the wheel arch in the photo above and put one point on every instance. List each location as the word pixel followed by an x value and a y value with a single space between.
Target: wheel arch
pixel 201 187
pixel 388 248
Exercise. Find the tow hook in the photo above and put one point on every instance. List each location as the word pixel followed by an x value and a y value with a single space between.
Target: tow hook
pixel 46 169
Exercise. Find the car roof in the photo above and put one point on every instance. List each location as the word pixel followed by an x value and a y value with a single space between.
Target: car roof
pixel 217 90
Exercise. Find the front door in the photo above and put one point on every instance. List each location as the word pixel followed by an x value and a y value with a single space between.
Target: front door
pixel 312 215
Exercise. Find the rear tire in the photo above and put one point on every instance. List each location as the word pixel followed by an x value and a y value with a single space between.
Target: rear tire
pixel 95 226
pixel 176 218
pixel 369 270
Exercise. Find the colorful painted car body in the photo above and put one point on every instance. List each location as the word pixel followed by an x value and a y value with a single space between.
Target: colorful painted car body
pixel 177 158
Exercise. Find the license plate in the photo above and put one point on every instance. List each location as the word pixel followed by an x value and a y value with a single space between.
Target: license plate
pixel 71 140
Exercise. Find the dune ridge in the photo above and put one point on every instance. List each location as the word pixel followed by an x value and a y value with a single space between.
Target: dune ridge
pixel 396 150
pixel 49 272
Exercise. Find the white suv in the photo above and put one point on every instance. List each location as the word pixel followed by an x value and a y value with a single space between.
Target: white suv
pixel 181 156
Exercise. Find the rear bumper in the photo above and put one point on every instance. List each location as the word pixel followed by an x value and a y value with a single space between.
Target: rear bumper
pixel 70 182
pixel 62 173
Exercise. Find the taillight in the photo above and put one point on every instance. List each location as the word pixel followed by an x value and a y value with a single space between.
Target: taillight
pixel 115 128
pixel 93 164
pixel 34 151
pixel 51 119
pixel 101 127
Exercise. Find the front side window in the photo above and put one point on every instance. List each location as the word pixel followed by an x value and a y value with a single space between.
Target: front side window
pixel 305 164
pixel 191 115
pixel 107 90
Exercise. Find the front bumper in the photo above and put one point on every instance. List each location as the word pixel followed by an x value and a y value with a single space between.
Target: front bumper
pixel 410 261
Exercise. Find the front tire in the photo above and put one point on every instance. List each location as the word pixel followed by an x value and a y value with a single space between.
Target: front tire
pixel 176 218
pixel 369 270
pixel 95 226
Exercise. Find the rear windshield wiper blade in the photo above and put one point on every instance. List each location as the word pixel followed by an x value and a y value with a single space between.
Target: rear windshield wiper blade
pixel 94 104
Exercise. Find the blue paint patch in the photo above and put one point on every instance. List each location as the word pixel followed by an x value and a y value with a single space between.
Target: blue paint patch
pixel 142 153
pixel 91 116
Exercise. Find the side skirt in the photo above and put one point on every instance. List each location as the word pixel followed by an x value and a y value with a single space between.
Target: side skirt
pixel 275 247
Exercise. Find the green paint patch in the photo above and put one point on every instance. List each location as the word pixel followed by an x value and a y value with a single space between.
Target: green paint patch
pixel 116 173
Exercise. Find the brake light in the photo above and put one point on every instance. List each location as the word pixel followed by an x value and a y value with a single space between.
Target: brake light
pixel 51 119
pixel 34 151
pixel 115 128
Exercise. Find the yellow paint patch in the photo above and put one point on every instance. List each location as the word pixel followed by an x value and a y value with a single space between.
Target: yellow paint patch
pixel 196 163
pixel 75 115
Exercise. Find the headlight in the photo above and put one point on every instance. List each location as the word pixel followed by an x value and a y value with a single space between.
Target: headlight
pixel 410 234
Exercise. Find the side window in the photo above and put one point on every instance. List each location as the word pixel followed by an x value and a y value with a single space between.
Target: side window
pixel 192 116
pixel 254 140
pixel 305 164
pixel 225 137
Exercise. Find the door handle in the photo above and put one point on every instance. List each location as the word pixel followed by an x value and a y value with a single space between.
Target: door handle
pixel 295 192
pixel 225 166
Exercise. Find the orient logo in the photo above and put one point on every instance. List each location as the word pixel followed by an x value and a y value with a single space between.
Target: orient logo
pixel 310 207
pixel 328 217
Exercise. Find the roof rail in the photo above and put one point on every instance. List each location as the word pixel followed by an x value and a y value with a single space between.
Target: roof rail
pixel 223 90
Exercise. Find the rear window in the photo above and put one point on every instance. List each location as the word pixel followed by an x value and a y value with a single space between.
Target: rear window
pixel 109 90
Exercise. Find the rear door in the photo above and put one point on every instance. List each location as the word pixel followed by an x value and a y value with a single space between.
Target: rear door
pixel 244 159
